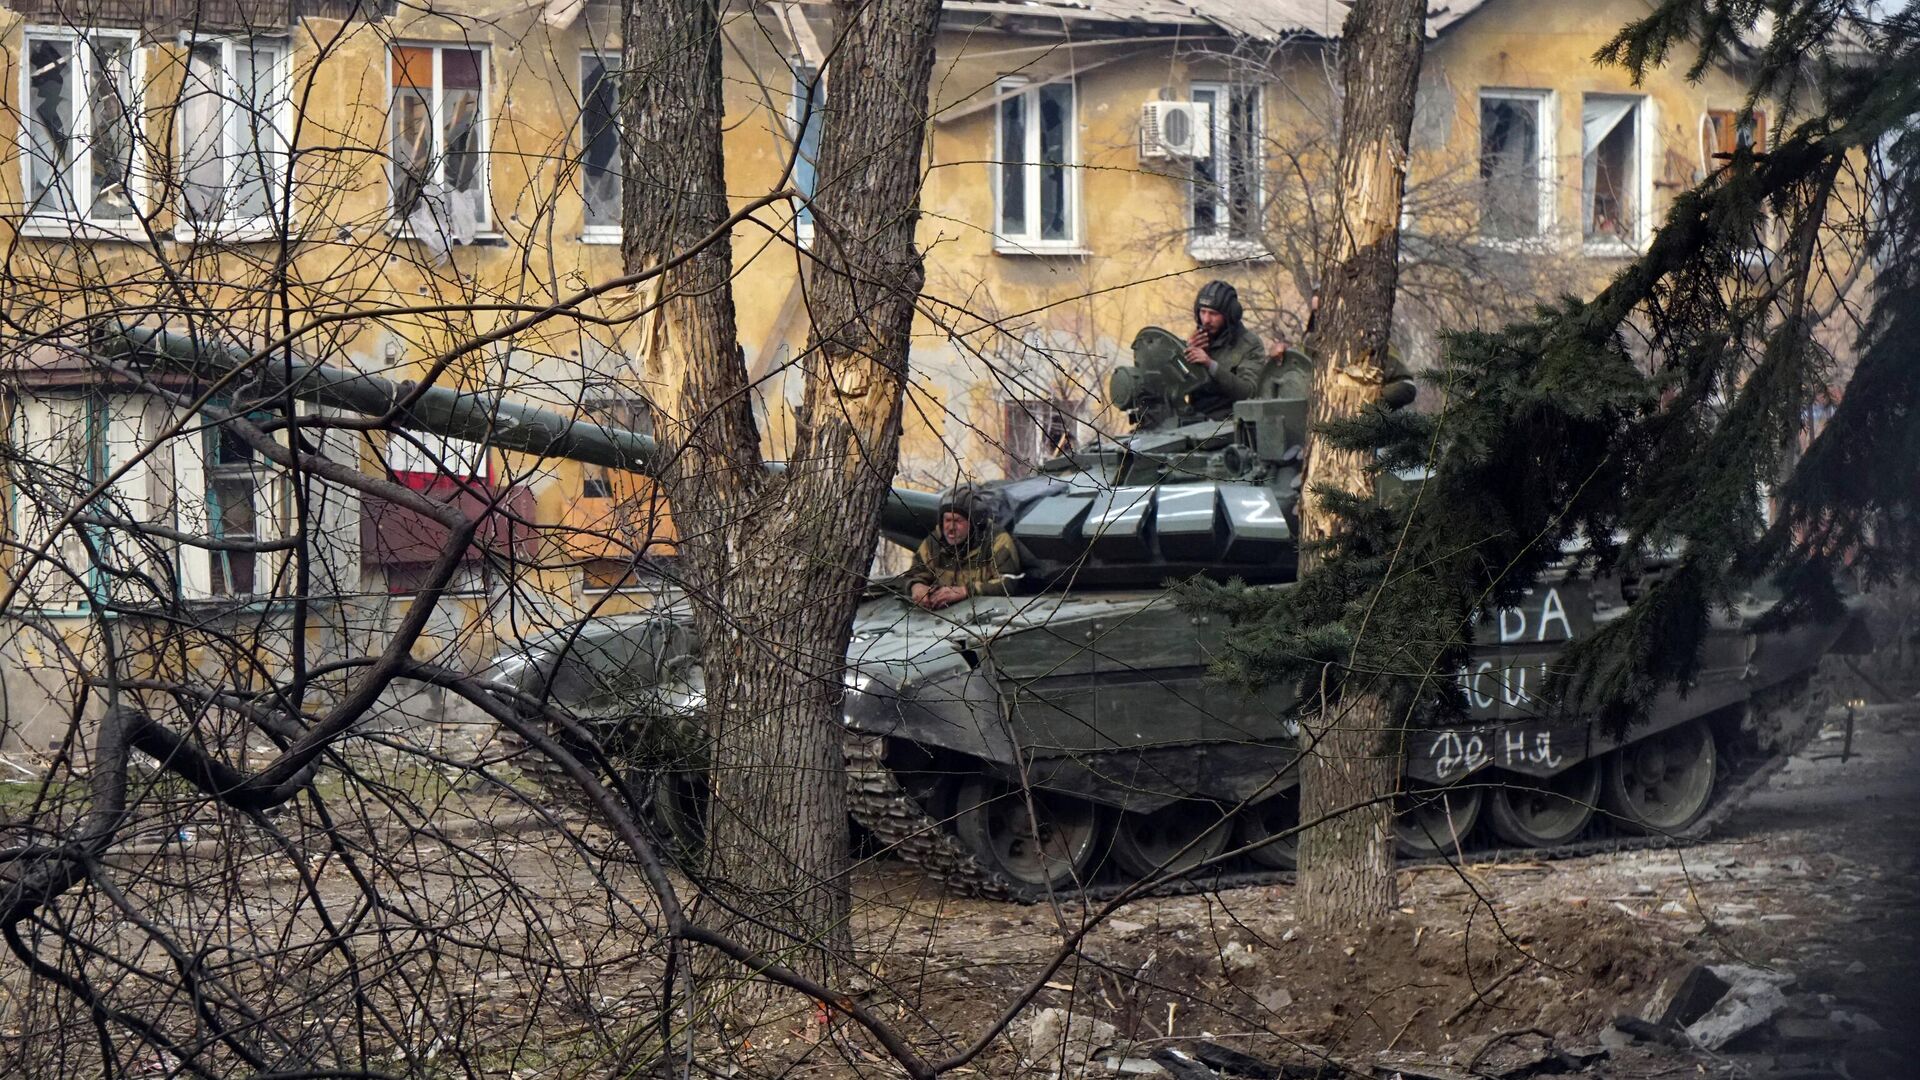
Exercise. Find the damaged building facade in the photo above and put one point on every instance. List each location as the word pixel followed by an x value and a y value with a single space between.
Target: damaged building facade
pixel 385 189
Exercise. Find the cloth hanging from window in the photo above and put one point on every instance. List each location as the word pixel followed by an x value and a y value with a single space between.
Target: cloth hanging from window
pixel 1598 118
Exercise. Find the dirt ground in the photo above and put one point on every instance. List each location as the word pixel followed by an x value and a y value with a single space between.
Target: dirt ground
pixel 1482 969
pixel 1816 880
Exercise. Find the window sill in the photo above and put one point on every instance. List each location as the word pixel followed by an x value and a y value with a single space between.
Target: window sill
pixel 484 237
pixel 1610 249
pixel 1042 250
pixel 230 234
pixel 1530 245
pixel 50 228
pixel 1225 251
pixel 600 234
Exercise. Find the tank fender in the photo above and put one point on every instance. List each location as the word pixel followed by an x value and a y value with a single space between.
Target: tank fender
pixel 958 710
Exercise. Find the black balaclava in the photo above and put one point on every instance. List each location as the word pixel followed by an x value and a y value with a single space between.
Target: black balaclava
pixel 1224 299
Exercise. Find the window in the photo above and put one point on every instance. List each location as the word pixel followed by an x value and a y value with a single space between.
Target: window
pixel 1724 130
pixel 1038 188
pixel 438 120
pixel 1616 184
pixel 236 485
pixel 803 126
pixel 80 151
pixel 1227 183
pixel 630 413
pixel 1036 430
pixel 620 523
pixel 427 462
pixel 1516 164
pixel 600 155
pixel 233 122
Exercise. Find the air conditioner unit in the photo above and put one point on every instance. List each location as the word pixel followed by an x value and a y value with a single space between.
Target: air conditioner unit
pixel 1175 129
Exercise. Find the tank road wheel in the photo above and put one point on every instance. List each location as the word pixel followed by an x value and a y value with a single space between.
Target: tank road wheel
pixel 1534 811
pixel 1153 843
pixel 1268 818
pixel 1053 847
pixel 1430 821
pixel 1663 783
pixel 680 813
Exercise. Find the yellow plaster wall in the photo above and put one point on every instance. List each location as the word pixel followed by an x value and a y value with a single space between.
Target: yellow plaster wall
pixel 991 322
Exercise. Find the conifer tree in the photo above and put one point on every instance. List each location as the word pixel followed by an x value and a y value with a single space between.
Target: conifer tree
pixel 1659 418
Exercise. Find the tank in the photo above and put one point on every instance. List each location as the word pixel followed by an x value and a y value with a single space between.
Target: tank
pixel 1068 737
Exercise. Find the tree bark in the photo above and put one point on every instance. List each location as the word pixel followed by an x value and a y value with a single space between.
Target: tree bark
pixel 775 563
pixel 1353 746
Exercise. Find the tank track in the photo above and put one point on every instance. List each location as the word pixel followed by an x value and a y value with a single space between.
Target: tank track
pixel 1779 723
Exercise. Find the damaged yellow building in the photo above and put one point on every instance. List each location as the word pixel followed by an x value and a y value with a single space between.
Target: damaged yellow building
pixel 395 189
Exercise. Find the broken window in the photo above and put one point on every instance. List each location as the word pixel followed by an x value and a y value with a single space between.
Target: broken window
pixel 1227 182
pixel 1613 169
pixel 1035 430
pixel 438 136
pixel 1514 164
pixel 621 516
pixel 803 124
pixel 233 151
pixel 427 462
pixel 80 124
pixel 1038 188
pixel 237 485
pixel 600 157
pixel 633 414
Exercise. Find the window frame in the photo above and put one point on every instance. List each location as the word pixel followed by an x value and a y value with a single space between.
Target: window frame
pixel 1220 243
pixel 436 110
pixel 1546 104
pixel 1035 418
pixel 813 92
pixel 268 225
pixel 57 223
pixel 610 60
pixel 1643 162
pixel 269 513
pixel 1027 92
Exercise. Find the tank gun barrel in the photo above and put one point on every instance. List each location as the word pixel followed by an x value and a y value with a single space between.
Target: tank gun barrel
pixel 905 517
pixel 439 410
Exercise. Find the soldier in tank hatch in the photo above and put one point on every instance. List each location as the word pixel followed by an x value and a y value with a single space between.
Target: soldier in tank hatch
pixel 1231 354
pixel 967 555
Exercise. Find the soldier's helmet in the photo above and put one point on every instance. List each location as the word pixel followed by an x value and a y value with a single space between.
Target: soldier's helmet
pixel 1221 297
pixel 975 505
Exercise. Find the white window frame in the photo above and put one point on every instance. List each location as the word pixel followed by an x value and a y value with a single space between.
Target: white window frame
pixel 1037 417
pixel 1030 243
pixel 1643 132
pixel 442 457
pixel 203 570
pixel 1217 245
pixel 436 109
pixel 595 234
pixel 1548 125
pixel 797 100
pixel 282 129
pixel 80 226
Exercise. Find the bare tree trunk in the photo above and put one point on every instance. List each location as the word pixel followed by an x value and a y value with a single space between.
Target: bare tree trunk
pixel 1346 865
pixel 776 563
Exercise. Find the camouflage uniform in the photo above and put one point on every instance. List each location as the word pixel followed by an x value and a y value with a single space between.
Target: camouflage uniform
pixel 982 564
pixel 1239 356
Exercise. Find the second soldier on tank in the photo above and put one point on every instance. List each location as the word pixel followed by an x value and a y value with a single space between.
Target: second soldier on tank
pixel 967 555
